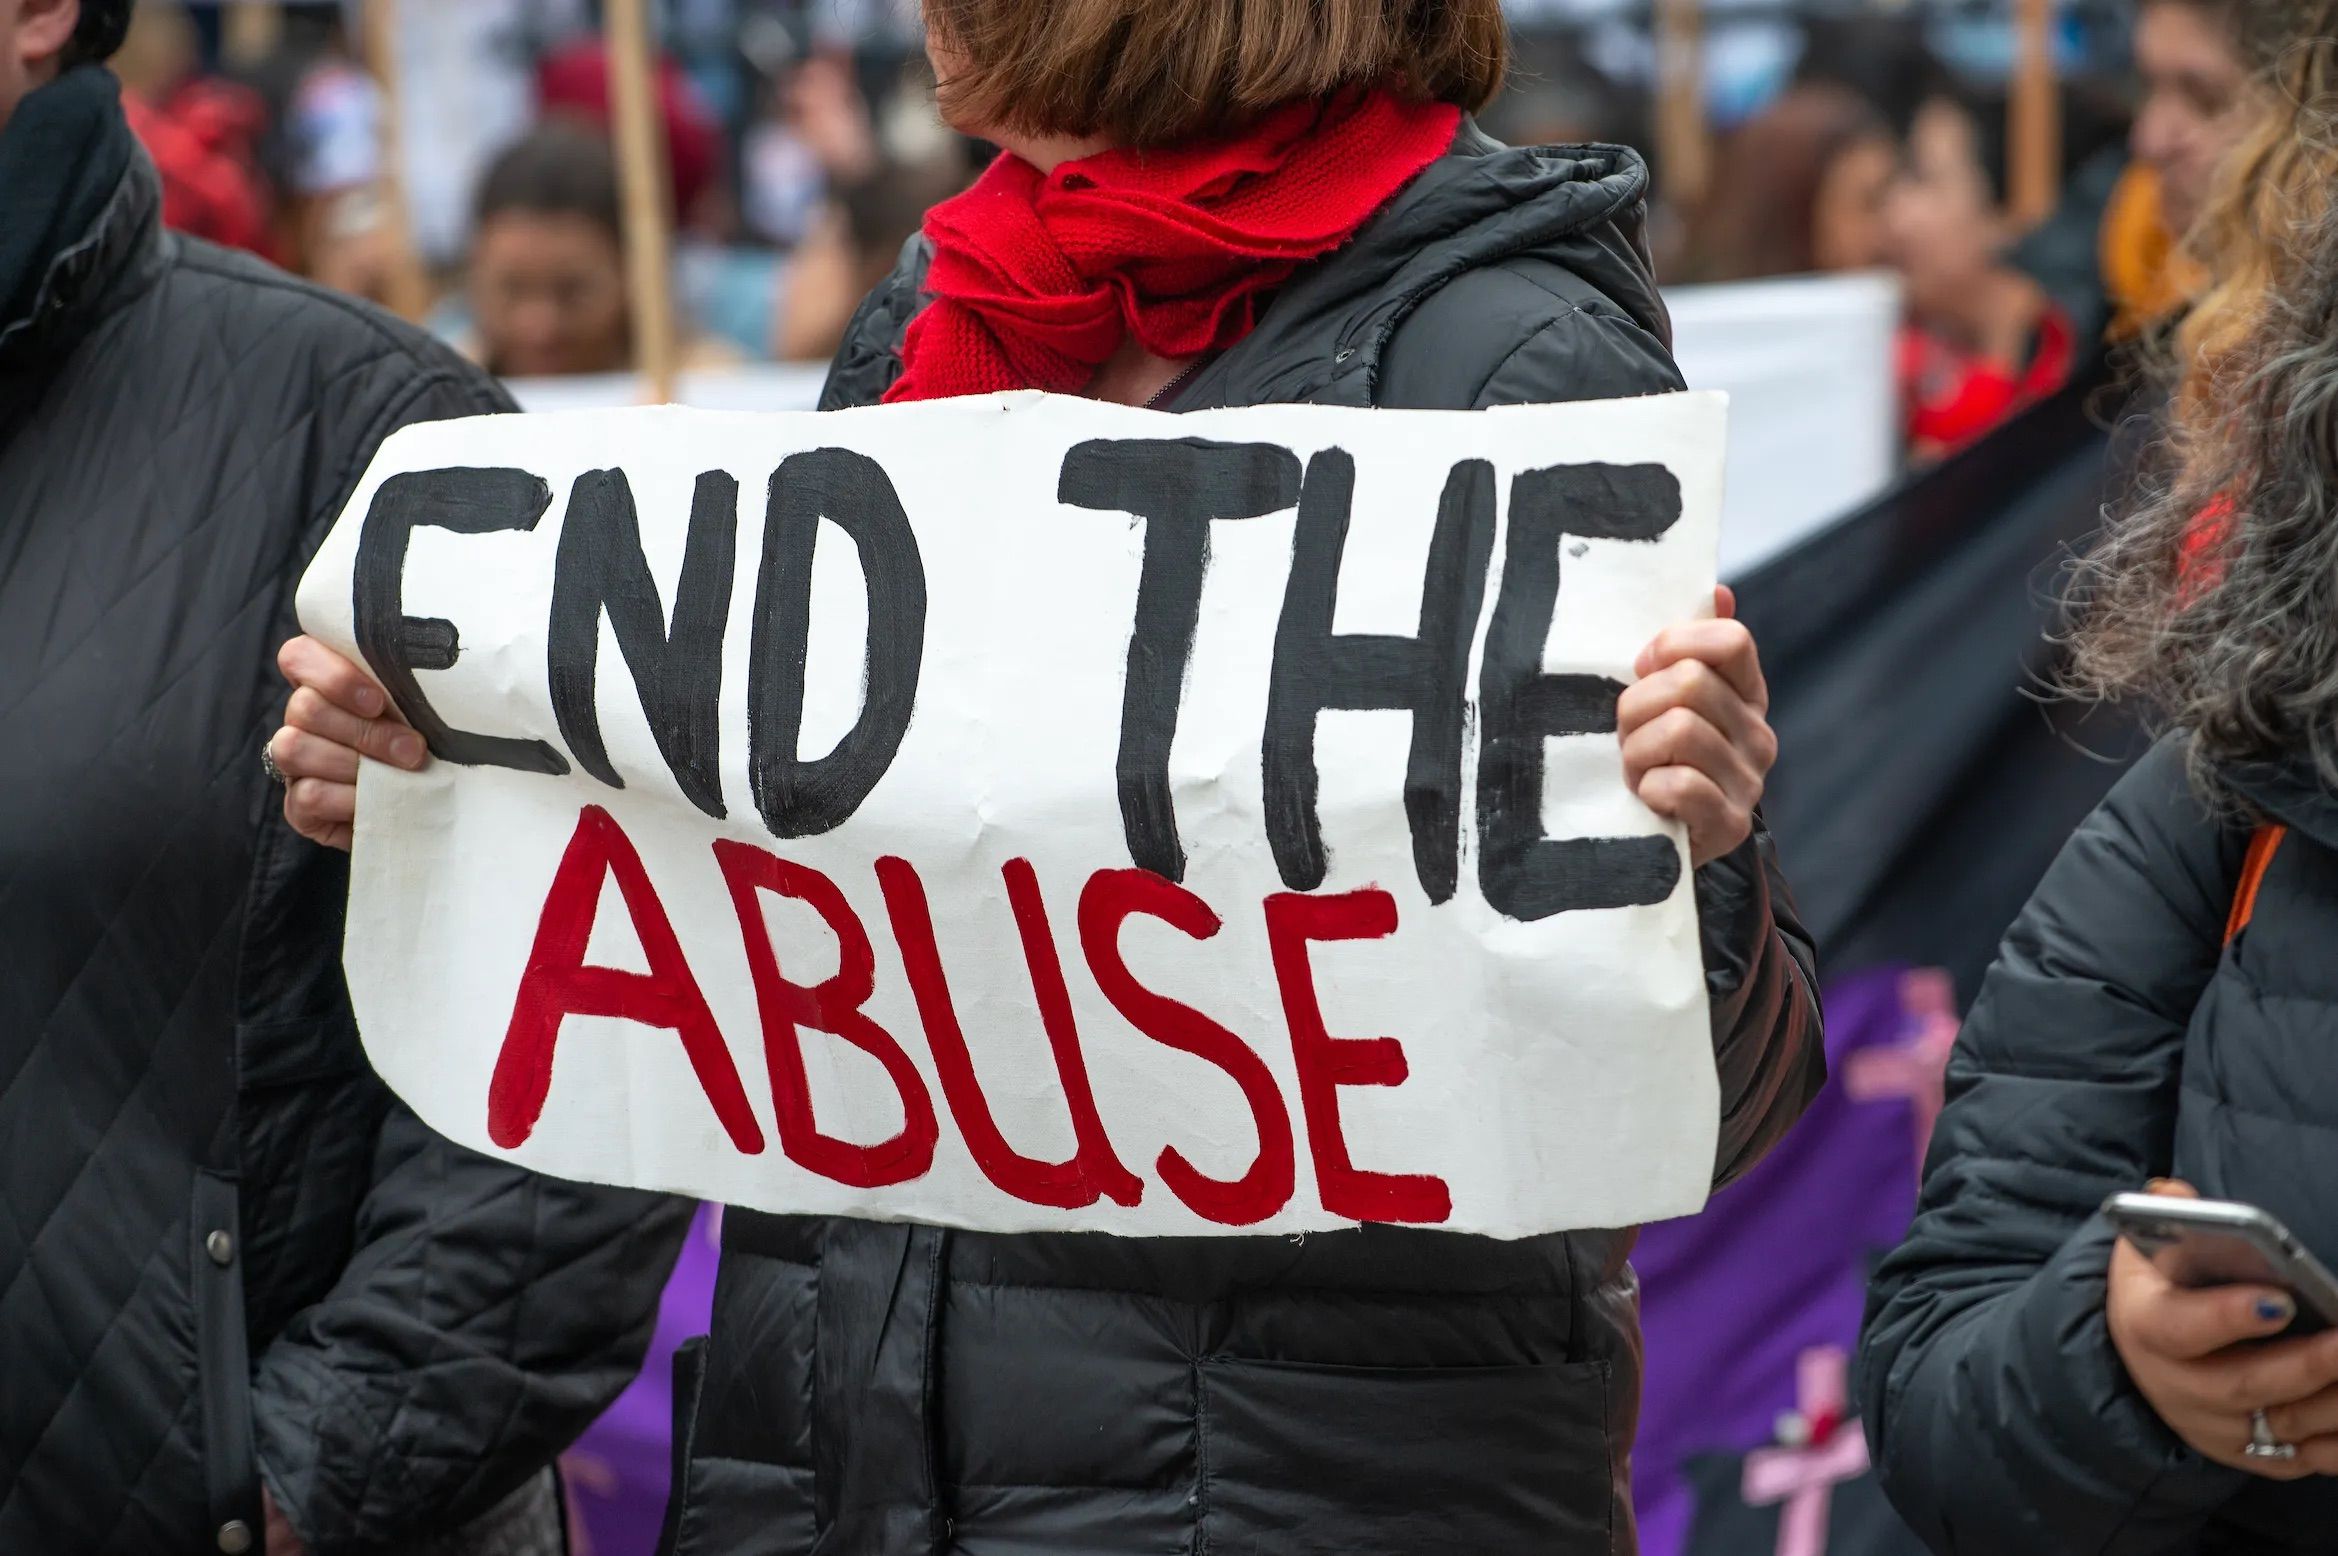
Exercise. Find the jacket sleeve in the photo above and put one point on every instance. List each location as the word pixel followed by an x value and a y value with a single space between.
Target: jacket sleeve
pixel 1761 975
pixel 869 359
pixel 485 1315
pixel 2002 1419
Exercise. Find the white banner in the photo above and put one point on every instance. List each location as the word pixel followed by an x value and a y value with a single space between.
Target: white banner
pixel 1810 365
pixel 1032 814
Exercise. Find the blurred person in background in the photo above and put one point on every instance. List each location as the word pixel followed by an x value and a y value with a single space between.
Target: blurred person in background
pixel 546 279
pixel 247 1301
pixel 572 83
pixel 813 159
pixel 1220 203
pixel 1983 337
pixel 202 132
pixel 863 227
pixel 332 169
pixel 2196 104
pixel 2165 1011
pixel 1798 189
pixel 818 133
pixel 2190 57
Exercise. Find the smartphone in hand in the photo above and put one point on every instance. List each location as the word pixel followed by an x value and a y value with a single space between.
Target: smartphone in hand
pixel 2210 1242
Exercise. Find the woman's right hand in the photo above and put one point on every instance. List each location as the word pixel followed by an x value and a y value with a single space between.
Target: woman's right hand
pixel 2206 1359
pixel 336 714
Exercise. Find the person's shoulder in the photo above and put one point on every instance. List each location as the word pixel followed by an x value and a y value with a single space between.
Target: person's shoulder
pixel 1525 329
pixel 2149 872
pixel 2158 800
pixel 870 358
pixel 289 332
pixel 297 378
pixel 1528 279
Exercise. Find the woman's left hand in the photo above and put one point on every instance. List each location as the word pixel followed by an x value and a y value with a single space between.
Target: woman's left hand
pixel 1696 730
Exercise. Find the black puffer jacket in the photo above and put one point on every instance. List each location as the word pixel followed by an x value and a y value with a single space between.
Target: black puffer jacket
pixel 891 1391
pixel 224 1249
pixel 2118 1039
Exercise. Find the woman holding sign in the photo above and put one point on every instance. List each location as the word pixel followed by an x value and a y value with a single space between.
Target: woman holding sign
pixel 1212 204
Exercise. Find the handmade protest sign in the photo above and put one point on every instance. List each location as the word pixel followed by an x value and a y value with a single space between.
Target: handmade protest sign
pixel 1027 813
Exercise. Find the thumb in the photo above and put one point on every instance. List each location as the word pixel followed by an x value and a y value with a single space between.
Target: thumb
pixel 2171 1188
pixel 1724 603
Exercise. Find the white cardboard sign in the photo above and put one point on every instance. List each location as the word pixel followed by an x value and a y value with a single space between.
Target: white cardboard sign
pixel 1032 814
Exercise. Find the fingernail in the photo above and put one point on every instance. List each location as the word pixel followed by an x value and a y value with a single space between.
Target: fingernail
pixel 369 702
pixel 2275 1310
pixel 407 750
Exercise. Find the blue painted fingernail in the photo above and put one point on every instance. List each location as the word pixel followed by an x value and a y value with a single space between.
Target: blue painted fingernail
pixel 2273 1310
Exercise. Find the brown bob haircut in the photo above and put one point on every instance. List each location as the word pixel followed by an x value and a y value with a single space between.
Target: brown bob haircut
pixel 1156 72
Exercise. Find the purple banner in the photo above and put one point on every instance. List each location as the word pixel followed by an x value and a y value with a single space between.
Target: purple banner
pixel 617 1473
pixel 1776 1268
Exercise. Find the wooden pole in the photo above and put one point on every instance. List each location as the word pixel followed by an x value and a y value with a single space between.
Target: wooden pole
pixel 409 283
pixel 250 30
pixel 1683 138
pixel 643 177
pixel 2035 132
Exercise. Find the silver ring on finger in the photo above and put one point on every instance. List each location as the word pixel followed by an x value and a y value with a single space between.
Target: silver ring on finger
pixel 2263 1444
pixel 268 764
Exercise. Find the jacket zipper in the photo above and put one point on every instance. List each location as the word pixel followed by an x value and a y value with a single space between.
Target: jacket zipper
pixel 1183 378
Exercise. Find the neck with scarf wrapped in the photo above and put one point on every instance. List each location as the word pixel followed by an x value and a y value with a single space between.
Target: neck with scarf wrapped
pixel 1037 279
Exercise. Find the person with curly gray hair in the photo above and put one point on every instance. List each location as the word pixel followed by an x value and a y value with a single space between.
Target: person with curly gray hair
pixel 2164 1014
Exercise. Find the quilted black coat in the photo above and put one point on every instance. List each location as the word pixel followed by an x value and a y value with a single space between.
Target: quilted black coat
pixel 2118 1039
pixel 896 1391
pixel 225 1251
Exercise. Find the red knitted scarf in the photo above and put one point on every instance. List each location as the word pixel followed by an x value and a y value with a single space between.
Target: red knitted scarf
pixel 1038 278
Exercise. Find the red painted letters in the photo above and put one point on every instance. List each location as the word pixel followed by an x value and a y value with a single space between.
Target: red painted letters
pixel 832 1006
pixel 558 985
pixel 1327 1063
pixel 1092 1172
pixel 1112 898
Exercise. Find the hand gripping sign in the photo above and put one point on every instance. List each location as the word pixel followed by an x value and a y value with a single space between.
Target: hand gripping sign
pixel 1031 814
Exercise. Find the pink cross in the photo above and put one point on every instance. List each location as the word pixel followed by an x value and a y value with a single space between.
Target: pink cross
pixel 1915 1068
pixel 1804 1477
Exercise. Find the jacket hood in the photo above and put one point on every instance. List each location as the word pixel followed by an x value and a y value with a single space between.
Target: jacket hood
pixel 1482 203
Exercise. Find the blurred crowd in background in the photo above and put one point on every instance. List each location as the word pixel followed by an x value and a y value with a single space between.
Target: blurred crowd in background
pixel 803 150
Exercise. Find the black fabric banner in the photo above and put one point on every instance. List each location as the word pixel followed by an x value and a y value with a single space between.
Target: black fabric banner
pixel 1927 776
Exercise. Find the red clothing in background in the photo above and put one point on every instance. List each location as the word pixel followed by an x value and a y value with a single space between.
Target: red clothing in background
pixel 201 139
pixel 1953 397
pixel 575 81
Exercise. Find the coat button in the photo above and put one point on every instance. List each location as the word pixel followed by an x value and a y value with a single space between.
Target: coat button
pixel 221 1247
pixel 1345 352
pixel 235 1536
